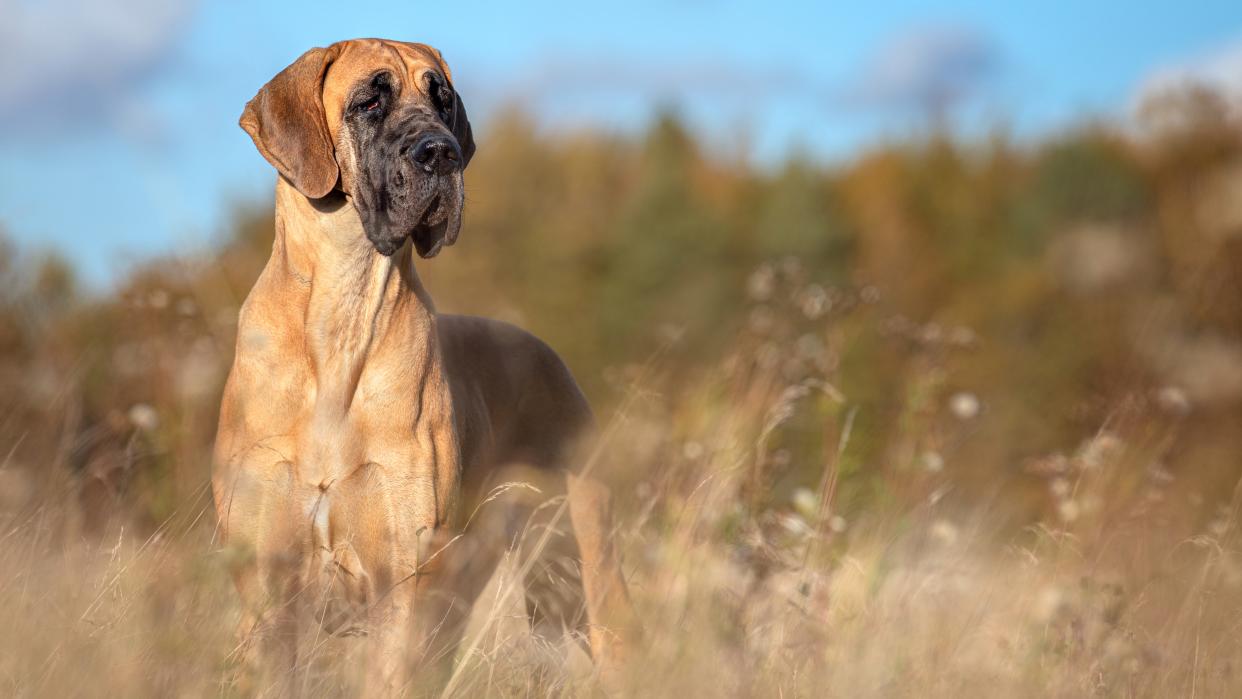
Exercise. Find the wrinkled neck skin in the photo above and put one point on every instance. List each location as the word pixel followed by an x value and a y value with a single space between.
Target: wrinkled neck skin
pixel 357 301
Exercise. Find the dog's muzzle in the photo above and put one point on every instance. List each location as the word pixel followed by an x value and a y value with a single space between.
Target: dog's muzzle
pixel 420 195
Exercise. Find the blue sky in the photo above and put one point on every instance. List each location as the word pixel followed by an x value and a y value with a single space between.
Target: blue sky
pixel 118 136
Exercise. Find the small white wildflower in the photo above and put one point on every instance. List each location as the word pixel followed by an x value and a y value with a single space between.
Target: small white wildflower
pixel 964 405
pixel 837 524
pixel 962 336
pixel 933 462
pixel 1219 527
pixel 761 284
pixel 1068 511
pixel 198 370
pixel 1054 464
pixel 795 525
pixel 869 294
pixel 1173 400
pixel 691 450
pixel 944 532
pixel 1100 450
pixel 158 299
pixel 805 501
pixel 1060 488
pixel 144 417
pixel 815 302
pixel 1049 603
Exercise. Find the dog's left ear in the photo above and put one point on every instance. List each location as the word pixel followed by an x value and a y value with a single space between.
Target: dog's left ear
pixel 458 123
pixel 460 126
pixel 287 121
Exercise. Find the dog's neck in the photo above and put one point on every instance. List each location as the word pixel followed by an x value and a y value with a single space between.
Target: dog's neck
pixel 338 347
pixel 357 302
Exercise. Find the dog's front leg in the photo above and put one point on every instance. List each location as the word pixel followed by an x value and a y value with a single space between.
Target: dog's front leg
pixel 407 620
pixel 257 501
pixel 389 657
pixel 414 629
pixel 279 640
pixel 267 644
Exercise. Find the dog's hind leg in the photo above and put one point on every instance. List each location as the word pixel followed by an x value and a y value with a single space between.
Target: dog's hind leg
pixel 613 625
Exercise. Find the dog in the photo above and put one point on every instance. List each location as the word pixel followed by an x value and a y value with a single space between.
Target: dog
pixel 358 427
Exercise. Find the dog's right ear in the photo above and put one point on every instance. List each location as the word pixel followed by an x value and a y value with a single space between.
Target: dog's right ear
pixel 286 119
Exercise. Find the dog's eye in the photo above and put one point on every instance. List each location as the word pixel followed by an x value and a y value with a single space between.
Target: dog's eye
pixel 441 94
pixel 369 105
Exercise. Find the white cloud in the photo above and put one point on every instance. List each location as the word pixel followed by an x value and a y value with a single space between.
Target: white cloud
pixel 928 69
pixel 1219 69
pixel 74 59
pixel 577 76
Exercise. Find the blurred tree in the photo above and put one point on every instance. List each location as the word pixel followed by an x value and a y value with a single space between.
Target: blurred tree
pixel 920 270
pixel 799 213
pixel 668 259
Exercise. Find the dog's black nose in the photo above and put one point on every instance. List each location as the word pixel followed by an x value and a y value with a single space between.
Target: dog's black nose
pixel 437 154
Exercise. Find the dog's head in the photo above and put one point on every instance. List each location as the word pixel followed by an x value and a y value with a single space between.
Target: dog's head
pixel 380 121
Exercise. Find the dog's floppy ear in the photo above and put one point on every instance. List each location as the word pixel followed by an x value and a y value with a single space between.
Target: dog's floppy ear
pixel 287 122
pixel 460 126
pixel 458 123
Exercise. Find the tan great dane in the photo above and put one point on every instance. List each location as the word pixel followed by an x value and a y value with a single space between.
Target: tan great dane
pixel 358 426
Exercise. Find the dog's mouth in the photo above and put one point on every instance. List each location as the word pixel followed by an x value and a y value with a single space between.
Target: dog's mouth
pixel 439 223
pixel 428 240
pixel 429 233
pixel 428 213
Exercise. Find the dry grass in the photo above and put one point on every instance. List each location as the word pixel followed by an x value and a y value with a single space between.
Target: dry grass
pixel 751 580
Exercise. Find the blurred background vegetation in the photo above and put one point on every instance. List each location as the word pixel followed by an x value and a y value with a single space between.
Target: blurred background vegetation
pixel 1011 300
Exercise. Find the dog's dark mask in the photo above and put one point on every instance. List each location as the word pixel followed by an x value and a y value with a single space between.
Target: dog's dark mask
pixel 402 128
pixel 410 156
